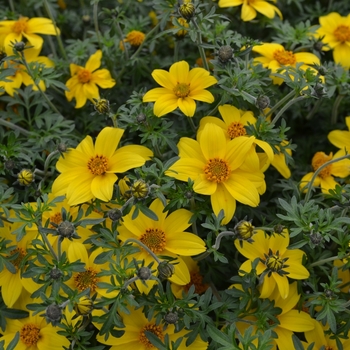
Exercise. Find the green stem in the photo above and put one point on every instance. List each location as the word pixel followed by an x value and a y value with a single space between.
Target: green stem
pixel 283 109
pixel 129 281
pixel 176 50
pixel 149 251
pixel 335 108
pixel 15 127
pixel 194 225
pixel 59 39
pixel 199 44
pixel 120 32
pixel 309 185
pixel 95 17
pixel 286 98
pixel 12 7
pixel 48 244
pixel 314 109
pixel 194 128
pixel 323 261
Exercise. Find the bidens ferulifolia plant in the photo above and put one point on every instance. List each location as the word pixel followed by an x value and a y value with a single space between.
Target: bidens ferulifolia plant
pixel 174 174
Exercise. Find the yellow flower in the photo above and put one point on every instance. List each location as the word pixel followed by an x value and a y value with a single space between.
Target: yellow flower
pixel 34 334
pixel 325 178
pixel 251 7
pixel 225 170
pixel 180 88
pixel 84 81
pixel 135 38
pixel 335 30
pixel 136 323
pixel 88 171
pixel 164 237
pixel 12 31
pixel 274 56
pixel 276 262
pixel 341 138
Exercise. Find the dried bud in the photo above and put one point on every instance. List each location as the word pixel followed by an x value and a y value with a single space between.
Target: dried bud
pixel 86 19
pixel 225 53
pixel 101 106
pixel 10 164
pixel 25 177
pixel 144 273
pixel 171 317
pixel 188 194
pixel 262 102
pixel 316 238
pixel 19 46
pixel 319 90
pixel 278 228
pixel 56 274
pixel 61 147
pixel 66 229
pixel 141 118
pixel 187 10
pixel 322 70
pixel 245 230
pixel 53 314
pixel 115 214
pixel 84 306
pixel 165 270
pixel 318 45
pixel 139 189
pixel 328 293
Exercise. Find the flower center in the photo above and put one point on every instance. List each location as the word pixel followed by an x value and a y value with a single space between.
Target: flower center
pixel 342 33
pixel 284 57
pixel 20 26
pixel 328 348
pixel 30 334
pixel 20 254
pixel 86 279
pixel 197 281
pixel 156 330
pixel 182 90
pixel 236 129
pixel 56 219
pixel 98 165
pixel 274 262
pixel 135 38
pixel 154 239
pixel 217 170
pixel 318 160
pixel 84 76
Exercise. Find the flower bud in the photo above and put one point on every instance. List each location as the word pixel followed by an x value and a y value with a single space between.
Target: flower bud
pixel 10 164
pixel 171 317
pixel 319 90
pixel 25 177
pixel 316 238
pixel 225 53
pixel 124 187
pixel 322 70
pixel 115 214
pixel 144 273
pixel 278 228
pixel 262 102
pixel 187 10
pixel 101 106
pixel 165 270
pixel 53 314
pixel 66 229
pixel 56 274
pixel 141 118
pixel 318 45
pixel 61 147
pixel 245 230
pixel 139 189
pixel 84 306
pixel 19 46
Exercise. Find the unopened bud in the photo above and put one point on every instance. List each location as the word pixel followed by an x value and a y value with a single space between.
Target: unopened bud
pixel 19 46
pixel 144 273
pixel 262 102
pixel 66 229
pixel 61 147
pixel 225 53
pixel 316 238
pixel 115 214
pixel 139 189
pixel 141 118
pixel 25 177
pixel 53 314
pixel 56 274
pixel 187 10
pixel 171 317
pixel 278 228
pixel 101 106
pixel 245 230
pixel 10 164
pixel 165 270
pixel 84 306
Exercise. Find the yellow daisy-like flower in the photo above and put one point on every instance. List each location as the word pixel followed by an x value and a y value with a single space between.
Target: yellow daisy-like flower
pixel 251 7
pixel 341 138
pixel 34 334
pixel 135 38
pixel 136 323
pixel 12 31
pixel 180 88
pixel 225 170
pixel 335 33
pixel 83 84
pixel 325 178
pixel 274 56
pixel 164 237
pixel 290 320
pixel 276 262
pixel 88 171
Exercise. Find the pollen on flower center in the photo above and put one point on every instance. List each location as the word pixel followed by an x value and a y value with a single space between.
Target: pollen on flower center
pixel 30 334
pixel 19 26
pixel 21 253
pixel 318 160
pixel 156 330
pixel 236 129
pixel 284 57
pixel 217 170
pixel 86 279
pixel 342 33
pixel 154 239
pixel 197 281
pixel 84 76
pixel 56 219
pixel 182 90
pixel 98 165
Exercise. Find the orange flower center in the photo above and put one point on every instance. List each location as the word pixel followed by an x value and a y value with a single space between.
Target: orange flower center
pixel 284 57
pixel 318 160
pixel 236 129
pixel 342 33
pixel 56 219
pixel 156 330
pixel 30 334
pixel 98 165
pixel 20 26
pixel 154 239
pixel 135 38
pixel 217 170
pixel 84 76
pixel 86 279
pixel 182 90
pixel 197 281
pixel 20 254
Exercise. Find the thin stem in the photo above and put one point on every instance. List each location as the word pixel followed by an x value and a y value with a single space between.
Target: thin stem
pixel 12 7
pixel 48 244
pixel 155 257
pixel 15 127
pixel 314 109
pixel 283 109
pixel 59 39
pixel 323 261
pixel 335 108
pixel 176 50
pixel 120 32
pixel 129 281
pixel 194 128
pixel 199 44
pixel 95 17
pixel 286 98
pixel 194 225
pixel 309 185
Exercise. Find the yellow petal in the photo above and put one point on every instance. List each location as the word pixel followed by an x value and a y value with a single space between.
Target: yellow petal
pixel 107 141
pixel 222 199
pixel 94 61
pixel 187 106
pixel 102 186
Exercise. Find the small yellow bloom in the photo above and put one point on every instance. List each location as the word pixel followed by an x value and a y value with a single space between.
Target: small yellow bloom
pixel 251 7
pixel 335 33
pixel 180 88
pixel 135 38
pixel 25 177
pixel 83 84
